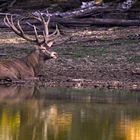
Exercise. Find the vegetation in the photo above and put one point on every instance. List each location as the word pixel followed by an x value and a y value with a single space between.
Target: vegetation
pixel 105 54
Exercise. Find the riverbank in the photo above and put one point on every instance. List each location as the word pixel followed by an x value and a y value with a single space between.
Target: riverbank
pixel 88 57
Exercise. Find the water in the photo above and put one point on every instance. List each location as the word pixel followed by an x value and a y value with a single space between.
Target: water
pixel 39 113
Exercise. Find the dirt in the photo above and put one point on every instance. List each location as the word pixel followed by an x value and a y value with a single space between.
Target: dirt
pixel 88 57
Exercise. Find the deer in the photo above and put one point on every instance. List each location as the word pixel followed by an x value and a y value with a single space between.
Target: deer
pixel 26 68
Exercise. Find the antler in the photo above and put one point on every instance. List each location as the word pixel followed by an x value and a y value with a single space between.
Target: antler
pixel 19 31
pixel 48 39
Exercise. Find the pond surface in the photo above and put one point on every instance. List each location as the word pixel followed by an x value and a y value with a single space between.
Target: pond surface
pixel 31 113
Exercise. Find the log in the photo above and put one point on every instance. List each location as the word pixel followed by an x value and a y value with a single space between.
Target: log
pixel 12 3
pixel 77 13
pixel 76 18
pixel 97 21
pixel 86 22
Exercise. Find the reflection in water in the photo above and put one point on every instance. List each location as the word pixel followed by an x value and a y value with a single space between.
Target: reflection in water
pixel 130 129
pixel 33 113
pixel 16 92
pixel 9 124
pixel 56 122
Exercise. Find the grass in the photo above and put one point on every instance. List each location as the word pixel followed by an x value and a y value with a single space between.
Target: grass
pixel 80 51
pixel 134 58
pixel 108 51
pixel 98 48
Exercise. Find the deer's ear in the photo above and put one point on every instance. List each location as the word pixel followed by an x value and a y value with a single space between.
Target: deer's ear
pixel 50 43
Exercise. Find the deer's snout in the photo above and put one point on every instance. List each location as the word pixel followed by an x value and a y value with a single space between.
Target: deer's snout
pixel 53 55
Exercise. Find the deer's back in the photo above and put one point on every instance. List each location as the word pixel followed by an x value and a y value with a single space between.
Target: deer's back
pixel 15 69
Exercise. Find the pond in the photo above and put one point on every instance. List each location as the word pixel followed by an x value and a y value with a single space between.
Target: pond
pixel 42 113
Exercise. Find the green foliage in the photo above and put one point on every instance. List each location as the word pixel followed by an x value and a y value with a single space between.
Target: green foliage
pixel 134 58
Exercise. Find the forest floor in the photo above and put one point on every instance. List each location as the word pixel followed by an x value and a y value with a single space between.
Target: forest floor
pixel 91 57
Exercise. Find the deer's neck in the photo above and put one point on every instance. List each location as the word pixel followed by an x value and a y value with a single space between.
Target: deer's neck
pixel 34 60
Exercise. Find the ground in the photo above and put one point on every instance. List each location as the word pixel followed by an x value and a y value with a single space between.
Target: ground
pixel 88 57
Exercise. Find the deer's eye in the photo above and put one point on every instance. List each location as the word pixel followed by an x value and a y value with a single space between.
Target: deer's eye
pixel 43 49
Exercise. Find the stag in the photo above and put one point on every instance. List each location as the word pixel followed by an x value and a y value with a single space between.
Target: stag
pixel 27 67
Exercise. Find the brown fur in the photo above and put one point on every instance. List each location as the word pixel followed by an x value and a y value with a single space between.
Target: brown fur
pixel 22 68
pixel 27 67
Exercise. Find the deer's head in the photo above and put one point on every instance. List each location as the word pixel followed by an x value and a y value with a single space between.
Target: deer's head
pixel 42 45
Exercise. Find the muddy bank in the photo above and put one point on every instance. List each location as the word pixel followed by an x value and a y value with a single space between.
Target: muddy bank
pixel 88 57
